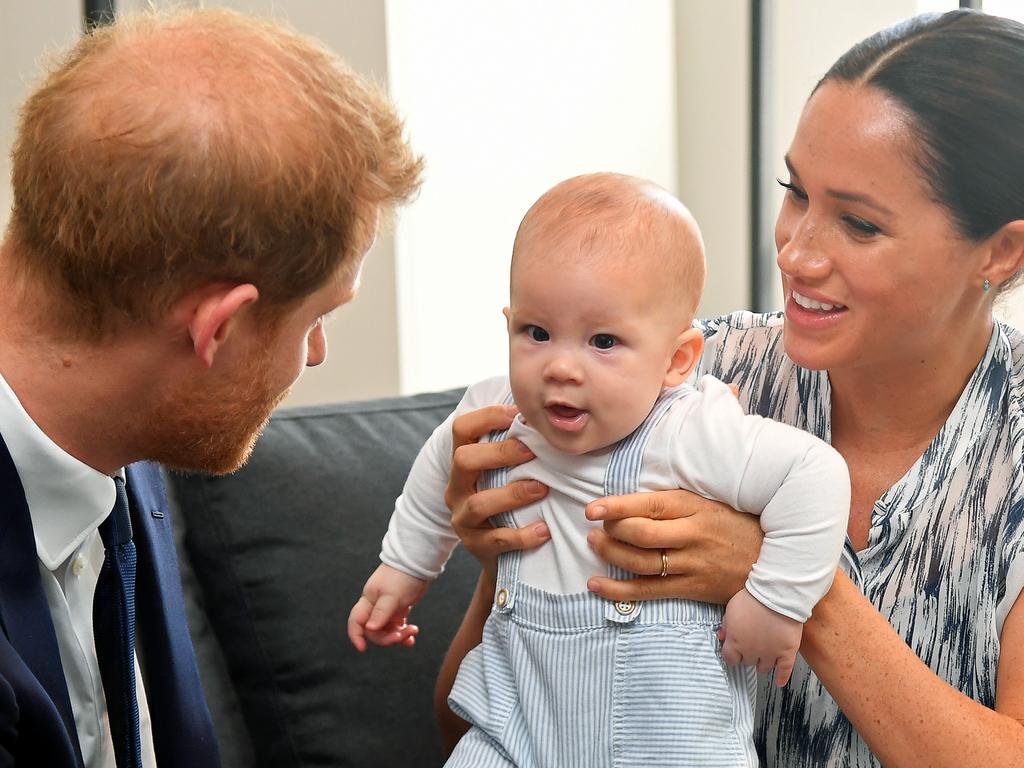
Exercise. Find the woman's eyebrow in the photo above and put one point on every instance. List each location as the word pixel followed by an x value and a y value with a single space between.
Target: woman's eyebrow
pixel 839 194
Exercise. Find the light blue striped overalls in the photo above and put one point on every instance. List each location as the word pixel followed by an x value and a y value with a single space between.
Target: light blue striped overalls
pixel 576 680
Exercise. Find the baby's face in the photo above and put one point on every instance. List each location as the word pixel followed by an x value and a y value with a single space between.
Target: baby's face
pixel 589 345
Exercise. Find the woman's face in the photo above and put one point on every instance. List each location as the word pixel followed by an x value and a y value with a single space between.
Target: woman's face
pixel 873 269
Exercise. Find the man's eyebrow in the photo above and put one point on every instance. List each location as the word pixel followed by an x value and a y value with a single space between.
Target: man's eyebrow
pixel 839 194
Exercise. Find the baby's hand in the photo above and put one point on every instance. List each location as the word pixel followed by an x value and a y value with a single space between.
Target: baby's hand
pixel 380 614
pixel 757 636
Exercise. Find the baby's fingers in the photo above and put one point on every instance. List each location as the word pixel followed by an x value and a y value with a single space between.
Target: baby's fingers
pixel 383 611
pixel 784 669
pixel 394 634
pixel 357 621
pixel 731 653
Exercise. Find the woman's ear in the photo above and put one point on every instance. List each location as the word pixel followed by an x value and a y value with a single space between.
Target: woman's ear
pixel 1006 254
pixel 689 346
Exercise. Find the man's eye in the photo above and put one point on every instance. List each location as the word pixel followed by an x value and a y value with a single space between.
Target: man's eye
pixel 604 341
pixel 537 333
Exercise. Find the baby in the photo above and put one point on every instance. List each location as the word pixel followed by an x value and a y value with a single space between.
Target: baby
pixel 607 271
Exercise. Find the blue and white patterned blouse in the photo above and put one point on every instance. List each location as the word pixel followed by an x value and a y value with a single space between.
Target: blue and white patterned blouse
pixel 945 556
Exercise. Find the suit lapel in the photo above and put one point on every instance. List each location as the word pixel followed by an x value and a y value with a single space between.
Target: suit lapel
pixel 182 729
pixel 24 613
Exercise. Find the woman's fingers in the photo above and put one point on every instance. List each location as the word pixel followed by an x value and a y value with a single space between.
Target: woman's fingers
pixel 472 425
pixel 472 510
pixel 642 588
pixel 652 534
pixel 662 505
pixel 488 543
pixel 476 509
pixel 635 559
pixel 470 459
pixel 476 457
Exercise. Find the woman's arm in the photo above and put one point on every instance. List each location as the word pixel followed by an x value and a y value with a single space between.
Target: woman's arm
pixel 907 715
pixel 471 513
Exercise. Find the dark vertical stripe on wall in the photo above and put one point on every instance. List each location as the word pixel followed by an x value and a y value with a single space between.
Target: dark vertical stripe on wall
pixel 762 247
pixel 97 12
pixel 975 4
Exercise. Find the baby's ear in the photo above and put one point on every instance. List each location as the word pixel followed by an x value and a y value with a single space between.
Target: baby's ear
pixel 689 346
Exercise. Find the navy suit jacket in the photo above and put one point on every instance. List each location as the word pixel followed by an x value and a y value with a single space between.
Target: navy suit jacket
pixel 37 727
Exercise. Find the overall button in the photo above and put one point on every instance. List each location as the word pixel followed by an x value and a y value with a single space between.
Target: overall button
pixel 502 599
pixel 625 607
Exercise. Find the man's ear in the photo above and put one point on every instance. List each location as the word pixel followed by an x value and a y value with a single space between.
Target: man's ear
pixel 1006 254
pixel 214 315
pixel 689 346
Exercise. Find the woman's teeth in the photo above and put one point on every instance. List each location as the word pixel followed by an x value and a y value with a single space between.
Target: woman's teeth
pixel 807 303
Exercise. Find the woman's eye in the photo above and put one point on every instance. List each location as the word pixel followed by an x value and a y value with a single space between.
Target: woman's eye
pixel 793 189
pixel 861 227
pixel 537 333
pixel 604 341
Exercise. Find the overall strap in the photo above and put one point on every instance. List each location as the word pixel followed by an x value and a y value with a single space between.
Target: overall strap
pixel 508 562
pixel 623 476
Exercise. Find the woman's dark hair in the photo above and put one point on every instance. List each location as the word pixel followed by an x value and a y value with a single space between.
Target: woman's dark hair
pixel 960 76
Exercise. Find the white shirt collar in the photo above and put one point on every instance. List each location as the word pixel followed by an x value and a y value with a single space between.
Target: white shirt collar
pixel 67 500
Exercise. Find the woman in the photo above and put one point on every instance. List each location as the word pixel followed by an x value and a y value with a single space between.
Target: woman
pixel 903 219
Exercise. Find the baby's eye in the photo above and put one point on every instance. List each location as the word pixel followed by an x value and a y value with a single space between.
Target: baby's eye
pixel 537 333
pixel 604 341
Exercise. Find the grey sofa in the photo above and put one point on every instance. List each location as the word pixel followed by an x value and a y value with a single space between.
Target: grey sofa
pixel 273 558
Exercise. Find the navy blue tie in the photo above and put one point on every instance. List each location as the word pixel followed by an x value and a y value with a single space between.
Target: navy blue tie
pixel 113 621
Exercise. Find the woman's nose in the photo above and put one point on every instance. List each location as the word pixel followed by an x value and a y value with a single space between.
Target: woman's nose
pixel 802 251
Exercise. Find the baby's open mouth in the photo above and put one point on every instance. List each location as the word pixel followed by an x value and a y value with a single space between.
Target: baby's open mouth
pixel 565 411
pixel 566 417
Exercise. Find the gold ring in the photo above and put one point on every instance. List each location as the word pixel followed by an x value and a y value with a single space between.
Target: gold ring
pixel 664 563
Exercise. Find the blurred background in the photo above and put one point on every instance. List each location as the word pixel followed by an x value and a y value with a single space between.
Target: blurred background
pixel 504 100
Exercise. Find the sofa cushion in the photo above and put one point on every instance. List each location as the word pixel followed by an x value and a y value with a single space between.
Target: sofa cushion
pixel 281 549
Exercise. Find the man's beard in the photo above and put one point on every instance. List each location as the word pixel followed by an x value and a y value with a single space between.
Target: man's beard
pixel 214 430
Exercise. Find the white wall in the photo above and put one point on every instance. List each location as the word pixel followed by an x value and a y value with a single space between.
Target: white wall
pixel 29 31
pixel 505 100
pixel 713 142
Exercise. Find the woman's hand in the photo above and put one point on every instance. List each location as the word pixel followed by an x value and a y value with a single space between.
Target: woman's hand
pixel 709 546
pixel 472 509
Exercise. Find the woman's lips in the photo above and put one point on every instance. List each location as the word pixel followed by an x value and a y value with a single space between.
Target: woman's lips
pixel 565 417
pixel 813 318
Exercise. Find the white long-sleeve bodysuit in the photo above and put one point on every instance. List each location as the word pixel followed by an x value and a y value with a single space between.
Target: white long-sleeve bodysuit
pixel 705 443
